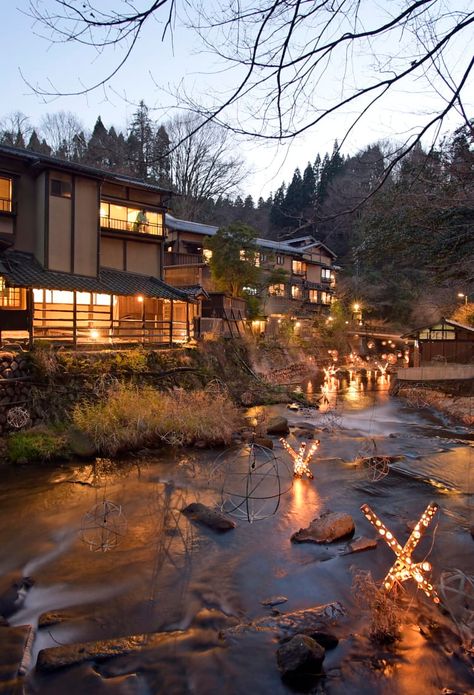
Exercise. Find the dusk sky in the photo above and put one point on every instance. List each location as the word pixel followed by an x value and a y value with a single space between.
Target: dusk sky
pixel 154 71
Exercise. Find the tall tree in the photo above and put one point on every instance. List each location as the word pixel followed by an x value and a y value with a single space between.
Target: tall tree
pixel 59 130
pixel 204 163
pixel 234 258
pixel 141 142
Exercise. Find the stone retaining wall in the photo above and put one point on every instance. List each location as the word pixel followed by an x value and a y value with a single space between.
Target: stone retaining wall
pixel 15 385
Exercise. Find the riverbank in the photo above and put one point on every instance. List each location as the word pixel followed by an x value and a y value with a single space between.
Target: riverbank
pixel 456 408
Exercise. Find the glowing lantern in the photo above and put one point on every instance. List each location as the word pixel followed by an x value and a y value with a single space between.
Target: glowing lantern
pixel 301 458
pixel 404 568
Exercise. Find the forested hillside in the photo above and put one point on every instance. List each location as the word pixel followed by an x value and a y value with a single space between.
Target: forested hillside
pixel 403 230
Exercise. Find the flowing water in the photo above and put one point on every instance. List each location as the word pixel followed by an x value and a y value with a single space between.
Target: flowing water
pixel 168 574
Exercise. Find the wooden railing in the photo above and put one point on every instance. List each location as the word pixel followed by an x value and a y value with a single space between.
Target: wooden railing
pixel 6 205
pixel 97 327
pixel 136 227
pixel 184 259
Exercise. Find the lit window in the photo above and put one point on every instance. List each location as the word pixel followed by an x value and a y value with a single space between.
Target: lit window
pixel 243 255
pixel 62 297
pixel 298 267
pixel 277 290
pixel 313 296
pixel 130 219
pixel 325 298
pixel 5 194
pixel 280 260
pixel 250 290
pixel 325 274
pixel 102 299
pixel 63 189
pixel 257 260
pixel 207 253
pixel 11 297
pixel 263 257
pixel 83 297
pixel 296 292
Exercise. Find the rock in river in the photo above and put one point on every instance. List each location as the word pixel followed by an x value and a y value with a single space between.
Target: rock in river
pixel 301 654
pixel 329 527
pixel 278 425
pixel 208 517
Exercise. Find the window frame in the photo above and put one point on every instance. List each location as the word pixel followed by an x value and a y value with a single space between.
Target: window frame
pixel 8 208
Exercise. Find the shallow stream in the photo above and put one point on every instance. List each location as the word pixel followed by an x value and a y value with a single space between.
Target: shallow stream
pixel 169 574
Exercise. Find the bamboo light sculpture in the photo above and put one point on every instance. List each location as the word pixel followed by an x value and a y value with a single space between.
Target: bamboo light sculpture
pixel 404 568
pixel 301 458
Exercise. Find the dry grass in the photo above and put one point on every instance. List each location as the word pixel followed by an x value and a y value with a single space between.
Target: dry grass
pixel 130 417
pixel 384 612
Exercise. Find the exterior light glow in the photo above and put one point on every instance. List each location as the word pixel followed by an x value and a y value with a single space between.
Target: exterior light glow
pixel 404 568
pixel 301 458
pixel 140 298
pixel 95 335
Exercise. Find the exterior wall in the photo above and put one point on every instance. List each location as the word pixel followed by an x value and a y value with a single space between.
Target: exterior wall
pixel 60 224
pixel 143 258
pixel 86 226
pixel 112 253
pixel 128 193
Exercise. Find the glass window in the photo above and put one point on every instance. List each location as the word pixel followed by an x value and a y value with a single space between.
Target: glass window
pixel 280 260
pixel 11 297
pixel 250 290
pixel 325 273
pixel 130 219
pixel 60 188
pixel 277 290
pixel 62 297
pixel 313 296
pixel 325 298
pixel 296 292
pixel 207 253
pixel 5 194
pixel 298 267
pixel 102 299
pixel 83 297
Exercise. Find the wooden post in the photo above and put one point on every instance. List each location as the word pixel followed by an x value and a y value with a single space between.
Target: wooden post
pixel 74 319
pixel 111 316
pixel 30 305
pixel 143 320
pixel 187 322
pixel 171 321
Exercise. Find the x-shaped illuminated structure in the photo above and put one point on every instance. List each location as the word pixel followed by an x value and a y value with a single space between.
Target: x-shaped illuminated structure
pixel 404 567
pixel 301 458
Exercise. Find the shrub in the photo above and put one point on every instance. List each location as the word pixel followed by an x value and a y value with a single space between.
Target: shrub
pixel 131 417
pixel 36 444
pixel 384 620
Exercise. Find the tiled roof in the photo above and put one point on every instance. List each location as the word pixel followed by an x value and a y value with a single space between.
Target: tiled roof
pixel 54 162
pixel 23 270
pixel 195 291
pixel 449 322
pixel 186 226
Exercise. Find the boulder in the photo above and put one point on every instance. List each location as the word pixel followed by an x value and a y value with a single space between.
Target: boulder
pixel 325 639
pixel 208 517
pixel 327 528
pixel 274 601
pixel 264 441
pixel 278 425
pixel 12 598
pixel 300 655
pixel 54 618
pixel 360 544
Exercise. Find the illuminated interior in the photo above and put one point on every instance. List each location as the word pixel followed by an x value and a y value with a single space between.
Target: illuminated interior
pixel 5 194
pixel 130 219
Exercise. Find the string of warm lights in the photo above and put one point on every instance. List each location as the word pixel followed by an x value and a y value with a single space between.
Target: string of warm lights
pixel 301 458
pixel 404 568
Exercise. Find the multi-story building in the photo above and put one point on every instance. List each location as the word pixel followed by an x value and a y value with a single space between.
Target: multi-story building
pixel 306 281
pixel 81 256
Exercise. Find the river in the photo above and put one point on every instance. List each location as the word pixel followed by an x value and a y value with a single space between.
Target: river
pixel 169 574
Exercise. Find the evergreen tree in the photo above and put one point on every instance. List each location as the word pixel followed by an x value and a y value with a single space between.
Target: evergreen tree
pixel 308 188
pixel 160 167
pixel 98 152
pixel 37 145
pixel 278 219
pixel 79 147
pixel 141 142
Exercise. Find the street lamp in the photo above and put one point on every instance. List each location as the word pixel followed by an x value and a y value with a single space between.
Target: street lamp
pixel 461 295
pixel 357 313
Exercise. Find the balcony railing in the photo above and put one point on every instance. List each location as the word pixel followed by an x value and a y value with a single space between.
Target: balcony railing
pixel 184 259
pixel 135 227
pixel 6 205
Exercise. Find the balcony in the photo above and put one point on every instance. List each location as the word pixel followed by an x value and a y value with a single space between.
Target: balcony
pixel 174 259
pixel 6 205
pixel 109 223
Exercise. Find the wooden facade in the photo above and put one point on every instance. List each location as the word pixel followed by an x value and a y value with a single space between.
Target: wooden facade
pixel 81 256
pixel 445 341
